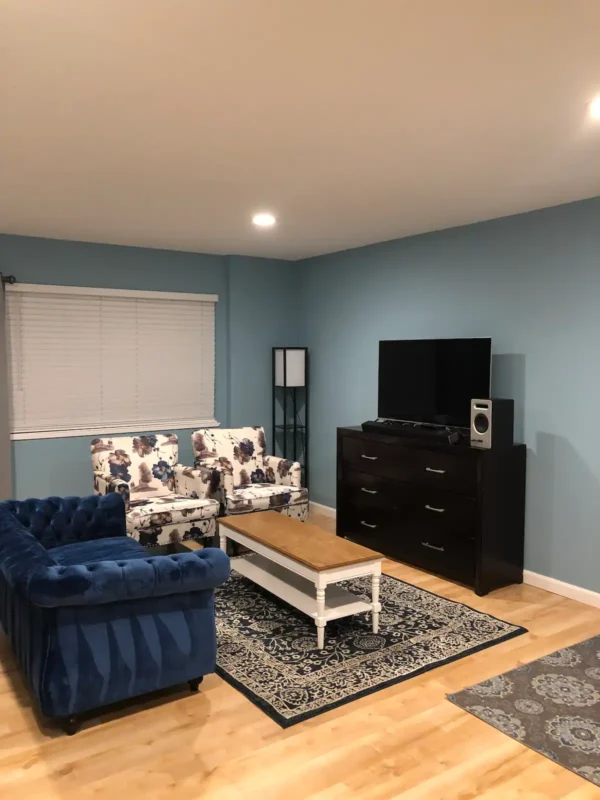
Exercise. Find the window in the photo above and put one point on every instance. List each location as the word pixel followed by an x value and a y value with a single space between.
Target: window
pixel 90 361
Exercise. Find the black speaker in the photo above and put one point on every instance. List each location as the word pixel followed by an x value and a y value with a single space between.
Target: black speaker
pixel 492 423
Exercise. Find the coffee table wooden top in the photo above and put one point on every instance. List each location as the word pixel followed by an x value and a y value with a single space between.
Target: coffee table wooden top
pixel 301 541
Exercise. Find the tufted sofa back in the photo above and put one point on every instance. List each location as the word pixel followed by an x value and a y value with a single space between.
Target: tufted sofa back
pixel 30 571
pixel 65 520
pixel 144 462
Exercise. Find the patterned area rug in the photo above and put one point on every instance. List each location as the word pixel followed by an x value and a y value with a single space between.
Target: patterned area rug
pixel 551 705
pixel 268 650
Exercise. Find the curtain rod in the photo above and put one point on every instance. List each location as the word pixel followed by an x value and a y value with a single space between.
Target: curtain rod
pixel 8 278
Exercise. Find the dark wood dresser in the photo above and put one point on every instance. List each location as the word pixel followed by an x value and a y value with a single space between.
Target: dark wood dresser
pixel 450 509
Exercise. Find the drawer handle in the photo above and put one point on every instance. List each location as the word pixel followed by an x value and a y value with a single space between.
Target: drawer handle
pixel 370 458
pixel 433 508
pixel 368 491
pixel 437 471
pixel 366 524
pixel 432 546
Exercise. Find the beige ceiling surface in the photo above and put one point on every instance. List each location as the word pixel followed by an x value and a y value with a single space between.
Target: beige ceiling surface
pixel 167 123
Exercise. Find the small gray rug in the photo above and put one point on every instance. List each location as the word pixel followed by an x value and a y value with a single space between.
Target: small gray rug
pixel 268 650
pixel 552 705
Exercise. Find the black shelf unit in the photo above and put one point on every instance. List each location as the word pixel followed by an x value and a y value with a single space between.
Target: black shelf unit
pixel 287 427
pixel 290 415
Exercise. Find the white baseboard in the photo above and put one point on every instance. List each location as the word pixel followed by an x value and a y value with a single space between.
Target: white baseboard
pixel 327 511
pixel 555 586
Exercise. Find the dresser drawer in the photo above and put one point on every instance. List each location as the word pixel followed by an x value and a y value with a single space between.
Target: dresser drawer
pixel 444 553
pixel 442 512
pixel 402 536
pixel 391 526
pixel 414 511
pixel 377 458
pixel 371 491
pixel 366 521
pixel 453 472
pixel 372 527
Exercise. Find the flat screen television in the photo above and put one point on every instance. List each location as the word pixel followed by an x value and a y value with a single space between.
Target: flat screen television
pixel 433 380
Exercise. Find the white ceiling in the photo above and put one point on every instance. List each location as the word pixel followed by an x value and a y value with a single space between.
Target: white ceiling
pixel 167 123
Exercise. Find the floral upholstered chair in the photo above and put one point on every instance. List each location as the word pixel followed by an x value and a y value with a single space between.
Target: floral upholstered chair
pixel 245 478
pixel 165 501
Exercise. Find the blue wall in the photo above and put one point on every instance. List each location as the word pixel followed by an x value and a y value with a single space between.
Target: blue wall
pixel 265 311
pixel 256 289
pixel 532 283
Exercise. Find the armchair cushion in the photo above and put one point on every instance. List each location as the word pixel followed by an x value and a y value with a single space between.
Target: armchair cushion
pixel 264 496
pixel 116 548
pixel 240 450
pixel 145 463
pixel 172 509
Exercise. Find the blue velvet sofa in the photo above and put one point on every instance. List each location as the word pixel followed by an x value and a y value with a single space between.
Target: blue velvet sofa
pixel 93 618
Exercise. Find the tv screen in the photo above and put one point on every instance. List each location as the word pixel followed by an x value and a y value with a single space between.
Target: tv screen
pixel 433 380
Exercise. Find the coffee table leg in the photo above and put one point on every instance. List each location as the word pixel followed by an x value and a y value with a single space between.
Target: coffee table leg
pixel 376 606
pixel 222 539
pixel 320 621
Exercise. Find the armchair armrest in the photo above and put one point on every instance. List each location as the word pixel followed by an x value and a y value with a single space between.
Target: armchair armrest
pixel 223 475
pixel 106 484
pixel 196 481
pixel 115 581
pixel 282 471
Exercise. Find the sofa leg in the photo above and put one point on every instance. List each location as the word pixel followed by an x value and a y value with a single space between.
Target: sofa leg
pixel 70 725
pixel 195 683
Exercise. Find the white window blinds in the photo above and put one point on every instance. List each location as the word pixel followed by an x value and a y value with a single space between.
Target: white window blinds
pixel 88 361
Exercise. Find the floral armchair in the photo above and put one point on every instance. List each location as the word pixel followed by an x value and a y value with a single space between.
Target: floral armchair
pixel 165 501
pixel 245 479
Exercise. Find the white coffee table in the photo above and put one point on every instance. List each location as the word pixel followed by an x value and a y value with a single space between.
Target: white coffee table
pixel 301 563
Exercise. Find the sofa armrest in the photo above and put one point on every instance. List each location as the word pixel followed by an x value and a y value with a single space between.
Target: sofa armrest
pixel 223 474
pixel 118 581
pixel 201 482
pixel 106 484
pixel 282 471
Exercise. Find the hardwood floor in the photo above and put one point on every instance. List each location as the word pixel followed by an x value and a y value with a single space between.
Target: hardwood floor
pixel 407 741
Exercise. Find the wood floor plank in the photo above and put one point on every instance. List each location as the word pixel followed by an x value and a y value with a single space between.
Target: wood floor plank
pixel 406 741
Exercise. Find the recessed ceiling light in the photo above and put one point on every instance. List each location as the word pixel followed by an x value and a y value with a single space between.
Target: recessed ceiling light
pixel 594 108
pixel 264 220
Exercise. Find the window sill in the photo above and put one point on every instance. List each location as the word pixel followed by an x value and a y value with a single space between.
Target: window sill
pixel 164 426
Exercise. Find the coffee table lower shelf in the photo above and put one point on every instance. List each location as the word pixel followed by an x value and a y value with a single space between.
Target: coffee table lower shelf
pixel 298 591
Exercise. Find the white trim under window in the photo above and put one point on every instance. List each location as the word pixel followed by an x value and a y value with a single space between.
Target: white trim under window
pixel 101 361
